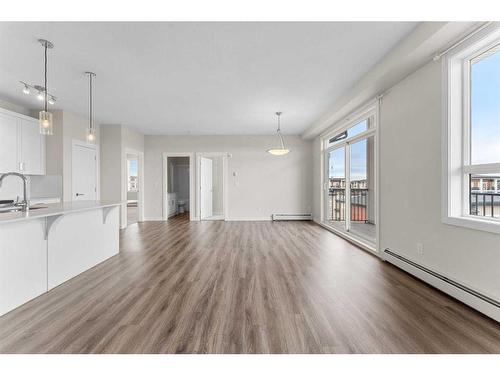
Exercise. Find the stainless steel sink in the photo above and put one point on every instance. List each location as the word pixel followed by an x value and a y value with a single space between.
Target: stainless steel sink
pixel 17 208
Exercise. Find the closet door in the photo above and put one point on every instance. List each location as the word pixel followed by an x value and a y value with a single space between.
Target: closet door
pixel 9 143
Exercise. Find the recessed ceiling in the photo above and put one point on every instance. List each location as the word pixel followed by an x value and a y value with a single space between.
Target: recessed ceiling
pixel 195 78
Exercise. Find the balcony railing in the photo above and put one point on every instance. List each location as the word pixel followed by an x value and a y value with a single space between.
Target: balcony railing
pixel 484 204
pixel 359 203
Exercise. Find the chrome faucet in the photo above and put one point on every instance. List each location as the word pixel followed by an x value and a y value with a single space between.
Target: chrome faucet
pixel 24 204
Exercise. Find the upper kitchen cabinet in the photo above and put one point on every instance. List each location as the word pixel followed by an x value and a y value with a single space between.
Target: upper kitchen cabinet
pixel 32 148
pixel 22 147
pixel 9 143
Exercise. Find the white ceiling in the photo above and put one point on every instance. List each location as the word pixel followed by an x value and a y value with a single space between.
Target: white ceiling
pixel 196 78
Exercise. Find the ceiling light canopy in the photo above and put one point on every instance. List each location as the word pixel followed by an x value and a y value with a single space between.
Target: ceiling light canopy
pixel 281 150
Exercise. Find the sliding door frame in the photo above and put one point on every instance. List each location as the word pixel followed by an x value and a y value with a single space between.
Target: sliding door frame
pixel 370 113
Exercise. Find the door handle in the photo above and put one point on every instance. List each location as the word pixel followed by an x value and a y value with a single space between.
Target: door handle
pixel 78 194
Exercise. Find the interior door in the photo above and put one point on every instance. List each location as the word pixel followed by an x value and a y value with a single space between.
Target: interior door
pixel 84 168
pixel 206 188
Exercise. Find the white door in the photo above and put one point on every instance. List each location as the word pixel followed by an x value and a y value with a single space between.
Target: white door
pixel 206 188
pixel 84 177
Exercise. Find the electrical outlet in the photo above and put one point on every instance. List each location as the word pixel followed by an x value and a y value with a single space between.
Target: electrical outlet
pixel 420 248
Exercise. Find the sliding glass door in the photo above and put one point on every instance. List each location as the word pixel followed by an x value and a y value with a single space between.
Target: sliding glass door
pixel 362 188
pixel 349 201
pixel 336 210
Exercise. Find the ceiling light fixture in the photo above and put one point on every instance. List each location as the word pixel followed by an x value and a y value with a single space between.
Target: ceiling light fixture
pixel 282 150
pixel 39 90
pixel 45 117
pixel 26 88
pixel 91 136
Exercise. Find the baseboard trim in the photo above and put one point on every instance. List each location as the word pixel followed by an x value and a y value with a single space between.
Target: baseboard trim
pixel 247 218
pixel 155 218
pixel 455 289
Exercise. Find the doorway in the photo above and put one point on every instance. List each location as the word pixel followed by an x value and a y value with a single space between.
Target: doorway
pixel 350 180
pixel 178 186
pixel 84 173
pixel 132 187
pixel 212 170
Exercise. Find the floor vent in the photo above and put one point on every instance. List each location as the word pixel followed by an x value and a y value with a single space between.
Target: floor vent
pixel 442 278
pixel 281 217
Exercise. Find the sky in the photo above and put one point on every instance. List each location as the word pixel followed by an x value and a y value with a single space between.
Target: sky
pixel 485 110
pixel 358 156
pixel 132 167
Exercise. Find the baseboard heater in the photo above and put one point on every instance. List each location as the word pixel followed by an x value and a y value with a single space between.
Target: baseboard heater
pixel 280 217
pixel 443 278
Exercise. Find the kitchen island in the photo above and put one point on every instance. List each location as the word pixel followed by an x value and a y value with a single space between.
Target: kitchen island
pixel 44 247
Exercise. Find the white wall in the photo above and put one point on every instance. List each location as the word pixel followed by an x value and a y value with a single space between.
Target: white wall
pixel 410 188
pixel 263 185
pixel 117 140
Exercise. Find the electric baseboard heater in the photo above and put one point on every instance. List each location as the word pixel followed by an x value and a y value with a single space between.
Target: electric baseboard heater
pixel 282 217
pixel 445 279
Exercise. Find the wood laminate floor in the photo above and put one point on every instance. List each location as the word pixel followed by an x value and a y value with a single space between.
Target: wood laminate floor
pixel 244 287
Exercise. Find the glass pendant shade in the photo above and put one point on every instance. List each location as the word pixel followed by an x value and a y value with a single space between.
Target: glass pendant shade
pixel 91 136
pixel 281 149
pixel 45 122
pixel 278 151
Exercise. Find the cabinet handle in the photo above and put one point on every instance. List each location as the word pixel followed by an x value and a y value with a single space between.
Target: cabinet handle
pixel 21 166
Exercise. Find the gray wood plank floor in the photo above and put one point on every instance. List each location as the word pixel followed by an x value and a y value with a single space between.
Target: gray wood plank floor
pixel 244 287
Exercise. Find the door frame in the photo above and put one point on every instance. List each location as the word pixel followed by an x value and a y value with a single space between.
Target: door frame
pixel 95 147
pixel 371 110
pixel 140 176
pixel 191 156
pixel 224 156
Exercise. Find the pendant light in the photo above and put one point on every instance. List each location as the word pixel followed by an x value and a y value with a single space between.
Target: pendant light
pixel 282 150
pixel 45 117
pixel 91 136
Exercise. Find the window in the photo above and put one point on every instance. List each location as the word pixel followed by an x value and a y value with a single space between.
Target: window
pixel 132 175
pixel 472 131
pixel 354 130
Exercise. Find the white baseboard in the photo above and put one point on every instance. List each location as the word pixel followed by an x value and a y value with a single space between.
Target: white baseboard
pixel 248 218
pixel 155 218
pixel 469 299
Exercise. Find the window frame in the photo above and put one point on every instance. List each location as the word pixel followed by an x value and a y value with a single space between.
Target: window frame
pixel 456 135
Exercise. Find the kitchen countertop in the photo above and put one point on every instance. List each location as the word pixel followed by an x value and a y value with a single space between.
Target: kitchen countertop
pixel 55 209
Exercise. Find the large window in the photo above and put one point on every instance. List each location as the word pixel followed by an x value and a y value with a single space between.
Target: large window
pixel 349 178
pixel 472 152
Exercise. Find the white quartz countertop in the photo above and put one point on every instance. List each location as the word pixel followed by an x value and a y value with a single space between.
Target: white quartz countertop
pixel 55 209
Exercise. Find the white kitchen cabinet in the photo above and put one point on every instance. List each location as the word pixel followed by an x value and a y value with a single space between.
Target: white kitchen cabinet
pixel 23 263
pixel 9 143
pixel 32 148
pixel 22 147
